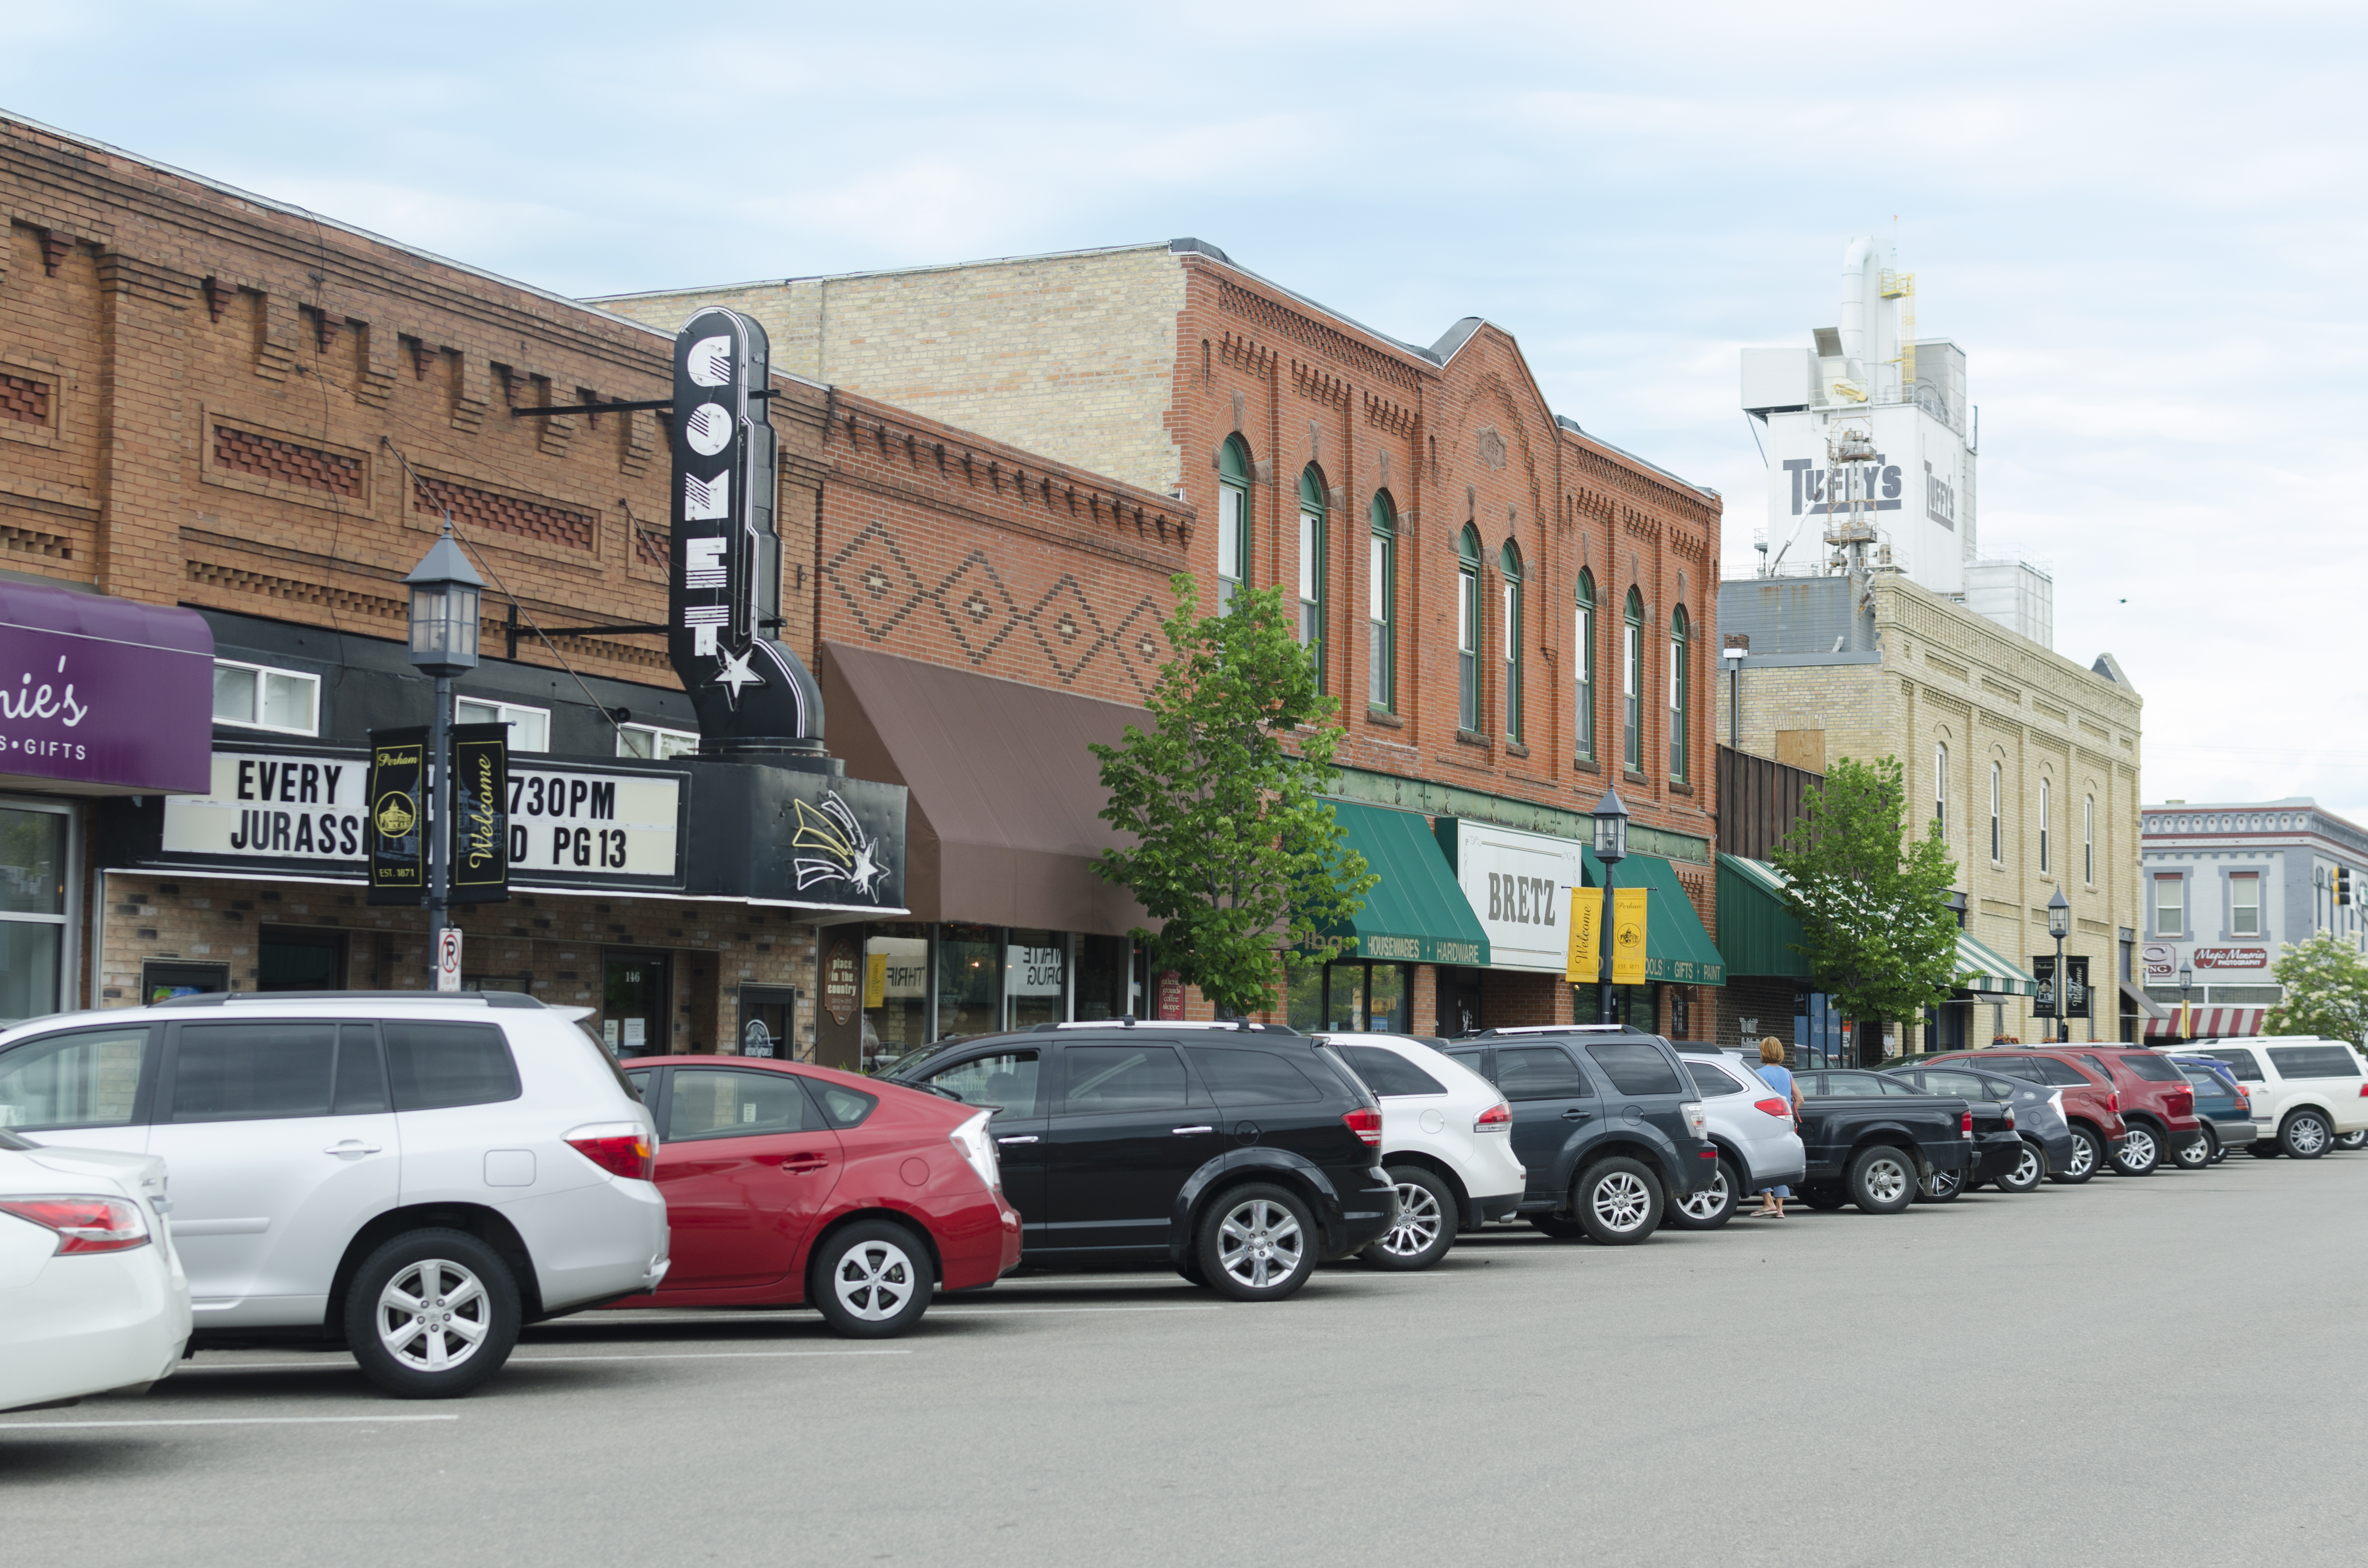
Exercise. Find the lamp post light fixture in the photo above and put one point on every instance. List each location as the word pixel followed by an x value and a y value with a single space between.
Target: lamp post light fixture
pixel 2059 925
pixel 1738 649
pixel 445 592
pixel 1611 848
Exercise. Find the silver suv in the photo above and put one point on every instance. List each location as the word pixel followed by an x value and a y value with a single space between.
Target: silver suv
pixel 414 1173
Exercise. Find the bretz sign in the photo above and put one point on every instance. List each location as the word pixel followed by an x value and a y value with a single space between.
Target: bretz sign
pixel 103 693
pixel 1519 884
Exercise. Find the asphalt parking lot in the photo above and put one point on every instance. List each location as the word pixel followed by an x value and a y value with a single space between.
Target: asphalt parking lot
pixel 2131 1371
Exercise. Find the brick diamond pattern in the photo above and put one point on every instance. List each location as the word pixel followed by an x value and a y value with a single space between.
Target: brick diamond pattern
pixel 875 582
pixel 504 514
pixel 24 399
pixel 242 451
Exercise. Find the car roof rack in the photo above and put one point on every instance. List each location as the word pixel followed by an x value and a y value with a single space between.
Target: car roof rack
pixel 1549 1028
pixel 227 998
pixel 1229 1025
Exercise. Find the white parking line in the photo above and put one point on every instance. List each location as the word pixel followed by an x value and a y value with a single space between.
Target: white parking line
pixel 1024 1312
pixel 219 1421
pixel 327 1366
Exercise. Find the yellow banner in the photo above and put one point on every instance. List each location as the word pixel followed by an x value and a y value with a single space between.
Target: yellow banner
pixel 1585 964
pixel 875 980
pixel 1628 935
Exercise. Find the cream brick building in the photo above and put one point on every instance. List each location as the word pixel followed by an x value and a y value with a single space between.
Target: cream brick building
pixel 2028 760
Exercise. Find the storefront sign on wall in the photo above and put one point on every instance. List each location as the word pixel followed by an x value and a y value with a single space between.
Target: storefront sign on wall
pixel 1518 883
pixel 100 695
pixel 2161 961
pixel 2232 958
pixel 842 981
pixel 1032 972
pixel 1171 995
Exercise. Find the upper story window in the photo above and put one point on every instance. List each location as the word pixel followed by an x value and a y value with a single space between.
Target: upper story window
pixel 1467 629
pixel 1232 519
pixel 1679 631
pixel 1998 835
pixel 1311 567
pixel 2169 904
pixel 1632 683
pixel 1380 604
pixel 2047 799
pixel 1582 666
pixel 529 727
pixel 649 741
pixel 257 696
pixel 2244 903
pixel 2088 839
pixel 1509 565
pixel 1940 790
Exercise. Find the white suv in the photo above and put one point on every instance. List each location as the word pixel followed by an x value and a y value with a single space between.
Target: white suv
pixel 1447 1142
pixel 2307 1091
pixel 417 1174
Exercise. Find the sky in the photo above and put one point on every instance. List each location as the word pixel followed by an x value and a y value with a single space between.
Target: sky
pixel 2143 224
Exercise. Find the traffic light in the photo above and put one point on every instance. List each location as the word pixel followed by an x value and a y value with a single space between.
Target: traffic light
pixel 2342 887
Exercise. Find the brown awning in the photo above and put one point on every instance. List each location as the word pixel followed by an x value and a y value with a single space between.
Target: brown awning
pixel 1001 828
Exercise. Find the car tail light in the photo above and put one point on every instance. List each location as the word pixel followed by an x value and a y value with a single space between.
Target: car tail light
pixel 1966 1125
pixel 2183 1102
pixel 1366 1123
pixel 2114 1104
pixel 1771 1106
pixel 2245 1098
pixel 1498 1117
pixel 2363 1091
pixel 624 1152
pixel 2057 1101
pixel 2009 1119
pixel 85 1224
pixel 1696 1118
pixel 978 1149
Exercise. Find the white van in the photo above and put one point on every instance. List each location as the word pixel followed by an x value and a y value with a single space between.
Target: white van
pixel 418 1175
pixel 2307 1091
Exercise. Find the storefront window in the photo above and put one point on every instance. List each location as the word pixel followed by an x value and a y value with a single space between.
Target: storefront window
pixel 1035 977
pixel 969 984
pixel 1387 994
pixel 1304 982
pixel 895 993
pixel 1636 1005
pixel 32 911
pixel 1102 991
pixel 1344 1002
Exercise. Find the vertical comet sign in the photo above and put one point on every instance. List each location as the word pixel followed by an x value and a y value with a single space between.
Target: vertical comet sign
pixel 481 822
pixel 724 595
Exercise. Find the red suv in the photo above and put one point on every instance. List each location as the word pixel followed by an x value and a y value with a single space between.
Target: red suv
pixel 2092 1107
pixel 2158 1103
pixel 787 1184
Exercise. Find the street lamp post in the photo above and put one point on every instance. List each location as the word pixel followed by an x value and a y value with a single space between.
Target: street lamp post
pixel 2059 925
pixel 2186 1020
pixel 444 596
pixel 1611 848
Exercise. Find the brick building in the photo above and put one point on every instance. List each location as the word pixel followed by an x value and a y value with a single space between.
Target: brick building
pixel 1514 612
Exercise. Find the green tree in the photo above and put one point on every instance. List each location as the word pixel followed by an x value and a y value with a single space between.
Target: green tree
pixel 1233 847
pixel 1879 937
pixel 2326 983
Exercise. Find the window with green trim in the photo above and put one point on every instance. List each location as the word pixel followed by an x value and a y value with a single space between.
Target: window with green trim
pixel 1679 695
pixel 1632 683
pixel 1467 629
pixel 1582 666
pixel 1311 567
pixel 1508 563
pixel 1232 519
pixel 1380 604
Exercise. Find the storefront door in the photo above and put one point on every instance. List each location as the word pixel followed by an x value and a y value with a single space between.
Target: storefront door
pixel 633 1004
pixel 768 1018
pixel 34 877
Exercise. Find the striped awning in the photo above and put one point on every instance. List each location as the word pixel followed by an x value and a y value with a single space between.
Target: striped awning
pixel 1980 968
pixel 2207 1023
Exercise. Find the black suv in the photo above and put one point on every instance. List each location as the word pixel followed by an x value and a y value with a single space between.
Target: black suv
pixel 1605 1118
pixel 1241 1155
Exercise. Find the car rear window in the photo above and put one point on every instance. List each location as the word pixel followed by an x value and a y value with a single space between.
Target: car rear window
pixel 2315 1060
pixel 2240 1062
pixel 2147 1065
pixel 2017 1067
pixel 846 1108
pixel 1635 1068
pixel 1538 1073
pixel 734 1102
pixel 1849 1086
pixel 1239 1077
pixel 439 1066
pixel 1386 1073
pixel 1712 1082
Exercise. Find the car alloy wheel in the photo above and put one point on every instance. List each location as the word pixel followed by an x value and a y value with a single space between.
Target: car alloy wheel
pixel 1883 1180
pixel 1711 1207
pixel 870 1279
pixel 1620 1202
pixel 2349 1142
pixel 2028 1168
pixel 2084 1155
pixel 2196 1153
pixel 1942 1187
pixel 1617 1201
pixel 874 1281
pixel 433 1315
pixel 1260 1244
pixel 2306 1135
pixel 2140 1152
pixel 1423 1228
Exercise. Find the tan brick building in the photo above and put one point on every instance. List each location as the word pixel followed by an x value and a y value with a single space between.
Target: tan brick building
pixel 2028 759
pixel 1421 501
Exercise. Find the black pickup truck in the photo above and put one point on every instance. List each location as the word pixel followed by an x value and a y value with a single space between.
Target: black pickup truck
pixel 1876 1142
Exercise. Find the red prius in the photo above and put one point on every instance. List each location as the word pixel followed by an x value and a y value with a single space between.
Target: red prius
pixel 787 1184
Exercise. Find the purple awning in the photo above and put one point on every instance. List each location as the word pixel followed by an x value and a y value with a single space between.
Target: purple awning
pixel 103 695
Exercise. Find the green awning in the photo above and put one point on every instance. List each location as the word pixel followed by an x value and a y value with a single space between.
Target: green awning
pixel 1676 945
pixel 1758 932
pixel 1416 914
pixel 1979 968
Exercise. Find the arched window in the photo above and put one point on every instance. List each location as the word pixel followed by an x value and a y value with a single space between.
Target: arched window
pixel 1380 604
pixel 1677 694
pixel 2088 840
pixel 1508 563
pixel 1940 789
pixel 1467 629
pixel 1998 839
pixel 1232 519
pixel 1632 685
pixel 1311 566
pixel 2047 799
pixel 1582 664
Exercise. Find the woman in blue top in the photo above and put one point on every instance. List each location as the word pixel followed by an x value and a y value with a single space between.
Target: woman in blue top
pixel 1778 1077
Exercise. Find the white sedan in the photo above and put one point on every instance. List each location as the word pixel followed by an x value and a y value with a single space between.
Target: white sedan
pixel 1447 1142
pixel 92 1298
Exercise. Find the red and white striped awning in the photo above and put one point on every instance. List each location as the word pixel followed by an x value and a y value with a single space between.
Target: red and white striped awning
pixel 2205 1023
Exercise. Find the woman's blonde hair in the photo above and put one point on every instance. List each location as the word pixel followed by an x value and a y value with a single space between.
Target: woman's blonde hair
pixel 1770 1049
